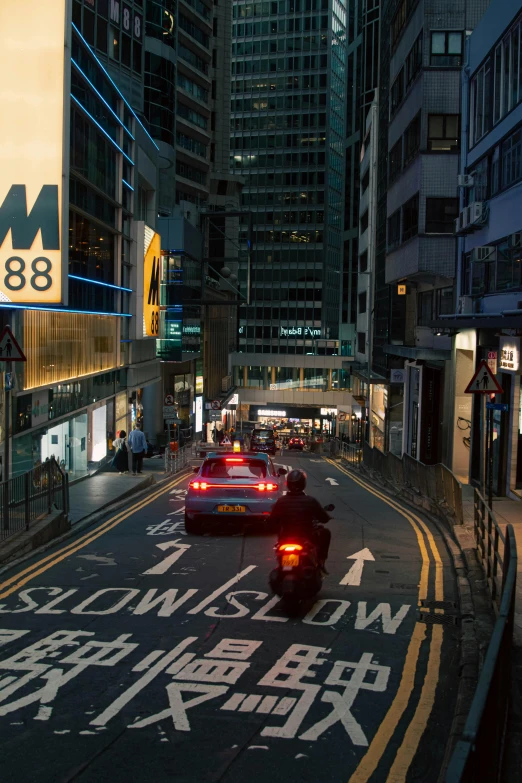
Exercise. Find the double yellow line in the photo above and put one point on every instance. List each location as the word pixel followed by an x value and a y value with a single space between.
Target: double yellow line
pixel 412 736
pixel 20 579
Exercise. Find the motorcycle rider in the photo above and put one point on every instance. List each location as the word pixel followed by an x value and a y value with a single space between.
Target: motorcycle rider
pixel 300 515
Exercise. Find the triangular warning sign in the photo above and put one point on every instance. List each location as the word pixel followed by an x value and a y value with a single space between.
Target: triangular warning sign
pixel 483 382
pixel 226 441
pixel 10 351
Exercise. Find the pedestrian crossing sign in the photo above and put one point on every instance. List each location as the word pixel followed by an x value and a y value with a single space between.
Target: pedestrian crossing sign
pixel 10 351
pixel 226 441
pixel 483 382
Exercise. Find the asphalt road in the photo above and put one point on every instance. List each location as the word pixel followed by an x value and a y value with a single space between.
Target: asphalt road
pixel 133 652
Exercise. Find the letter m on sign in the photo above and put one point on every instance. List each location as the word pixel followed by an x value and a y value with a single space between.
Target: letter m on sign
pixel 24 226
pixel 154 282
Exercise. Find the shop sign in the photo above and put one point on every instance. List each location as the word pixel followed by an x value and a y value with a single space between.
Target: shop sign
pixel 168 350
pixel 299 331
pixel 328 411
pixel 492 361
pixel 39 408
pixel 191 329
pixel 199 384
pixel 509 354
pixel 199 414
pixel 33 160
pixel 151 282
pixel 397 376
pixel 273 414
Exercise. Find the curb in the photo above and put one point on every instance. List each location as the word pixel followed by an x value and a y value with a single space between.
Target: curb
pixel 92 519
pixel 462 552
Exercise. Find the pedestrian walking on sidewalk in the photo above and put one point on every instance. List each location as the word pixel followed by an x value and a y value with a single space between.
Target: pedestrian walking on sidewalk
pixel 120 460
pixel 138 445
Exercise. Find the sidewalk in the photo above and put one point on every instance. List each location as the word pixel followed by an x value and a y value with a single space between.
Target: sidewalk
pixel 506 512
pixel 95 493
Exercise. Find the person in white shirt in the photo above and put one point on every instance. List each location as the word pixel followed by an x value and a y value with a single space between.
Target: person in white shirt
pixel 138 445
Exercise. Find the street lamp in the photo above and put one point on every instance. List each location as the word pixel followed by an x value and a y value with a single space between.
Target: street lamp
pixel 354 419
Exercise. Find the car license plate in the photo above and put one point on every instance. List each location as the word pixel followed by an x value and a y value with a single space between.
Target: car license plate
pixel 232 509
pixel 289 561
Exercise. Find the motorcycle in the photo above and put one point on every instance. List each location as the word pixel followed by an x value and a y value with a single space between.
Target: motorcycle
pixel 298 575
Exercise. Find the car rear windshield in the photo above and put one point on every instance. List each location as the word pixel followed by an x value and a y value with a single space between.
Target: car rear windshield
pixel 229 468
pixel 263 434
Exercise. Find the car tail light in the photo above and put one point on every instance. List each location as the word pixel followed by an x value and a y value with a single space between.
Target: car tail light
pixel 270 487
pixel 234 459
pixel 199 485
pixel 290 548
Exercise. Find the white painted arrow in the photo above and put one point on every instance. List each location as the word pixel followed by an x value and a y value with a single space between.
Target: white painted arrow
pixel 163 567
pixel 353 577
pixel 333 482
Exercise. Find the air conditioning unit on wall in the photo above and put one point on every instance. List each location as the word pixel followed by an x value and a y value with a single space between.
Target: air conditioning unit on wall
pixel 465 180
pixel 483 254
pixel 475 213
pixel 465 305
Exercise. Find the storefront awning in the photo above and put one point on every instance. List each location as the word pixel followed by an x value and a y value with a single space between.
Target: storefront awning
pixel 410 352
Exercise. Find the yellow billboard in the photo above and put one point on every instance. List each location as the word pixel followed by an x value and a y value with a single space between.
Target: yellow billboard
pixel 34 121
pixel 151 283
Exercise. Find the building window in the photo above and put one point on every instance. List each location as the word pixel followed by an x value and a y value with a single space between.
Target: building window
pixel 480 103
pixel 394 230
pixel 444 301
pixel 441 214
pixel 412 139
pixel 512 159
pixel 507 64
pixel 364 222
pixel 361 342
pixel 397 93
pixel 363 261
pixel 414 61
pixel 443 132
pixel 362 302
pixel 410 218
pixel 446 48
pixel 425 308
pixel 395 158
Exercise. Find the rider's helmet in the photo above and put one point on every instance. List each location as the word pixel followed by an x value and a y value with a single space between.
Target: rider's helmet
pixel 296 481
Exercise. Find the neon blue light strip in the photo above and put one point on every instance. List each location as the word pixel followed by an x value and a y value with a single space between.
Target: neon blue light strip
pixel 99 282
pixel 10 306
pixel 127 104
pixel 127 184
pixel 100 96
pixel 89 115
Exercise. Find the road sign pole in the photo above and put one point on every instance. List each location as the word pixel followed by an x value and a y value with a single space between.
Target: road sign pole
pixel 7 400
pixel 490 472
pixel 484 445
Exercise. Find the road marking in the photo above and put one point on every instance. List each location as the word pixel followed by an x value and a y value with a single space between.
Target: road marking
pixel 353 577
pixel 332 482
pixel 164 565
pixel 417 726
pixel 235 579
pixel 15 582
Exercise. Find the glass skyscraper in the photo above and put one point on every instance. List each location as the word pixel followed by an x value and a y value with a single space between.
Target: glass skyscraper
pixel 287 140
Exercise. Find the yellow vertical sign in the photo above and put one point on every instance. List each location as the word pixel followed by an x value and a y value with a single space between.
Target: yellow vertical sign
pixel 34 117
pixel 151 283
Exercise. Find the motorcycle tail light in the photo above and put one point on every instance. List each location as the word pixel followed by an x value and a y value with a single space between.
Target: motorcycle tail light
pixel 290 548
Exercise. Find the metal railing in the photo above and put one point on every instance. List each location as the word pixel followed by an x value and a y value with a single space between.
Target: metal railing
pixel 177 460
pixel 478 754
pixel 435 482
pixel 352 453
pixel 32 496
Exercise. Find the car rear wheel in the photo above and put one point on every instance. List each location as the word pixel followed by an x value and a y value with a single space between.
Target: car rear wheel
pixel 193 526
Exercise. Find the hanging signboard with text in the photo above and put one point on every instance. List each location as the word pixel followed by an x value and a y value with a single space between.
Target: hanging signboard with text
pixel 34 169
pixel 151 283
pixel 509 354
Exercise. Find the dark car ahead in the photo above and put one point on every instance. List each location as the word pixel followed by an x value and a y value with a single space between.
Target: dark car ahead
pixel 262 441
pixel 297 444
